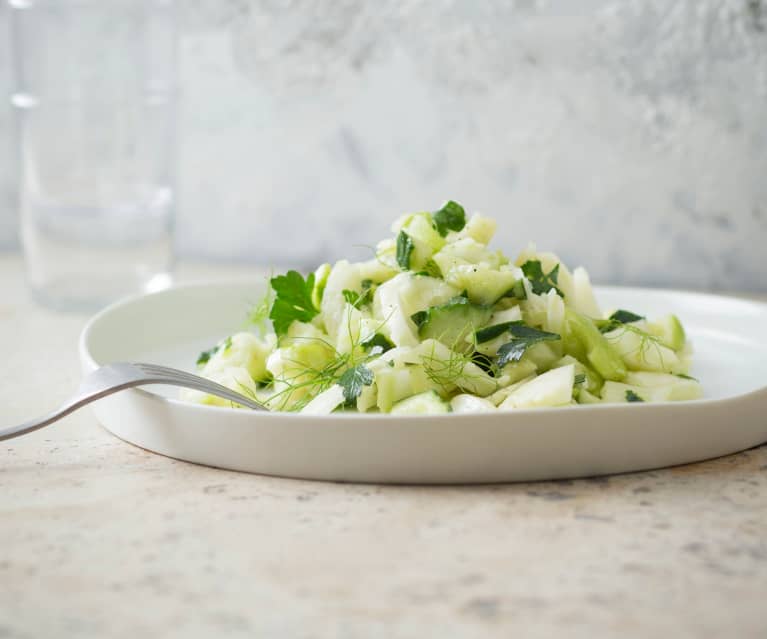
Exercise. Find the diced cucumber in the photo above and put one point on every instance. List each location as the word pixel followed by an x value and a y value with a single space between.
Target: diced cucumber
pixel 554 388
pixel 603 359
pixel 427 403
pixel 533 307
pixel 467 251
pixel 453 322
pixel 396 300
pixel 571 344
pixel 615 393
pixel 670 331
pixel 513 314
pixel 326 402
pixel 593 345
pixel 395 384
pixel 473 379
pixel 471 404
pixel 343 276
pixel 235 378
pixel 303 350
pixel 501 394
pixel 400 222
pixel 685 359
pixel 449 370
pixel 386 254
pixel 593 381
pixel 679 389
pixel 427 241
pixel 543 355
pixel 243 350
pixel 546 310
pixel 685 389
pixel 376 271
pixel 555 313
pixel 353 329
pixel 585 397
pixel 368 397
pixel 320 280
pixel 506 302
pixel 651 380
pixel 515 371
pixel 483 285
pixel 479 228
pixel 642 351
pixel 421 228
pixel 583 299
pixel 674 387
pixel 419 292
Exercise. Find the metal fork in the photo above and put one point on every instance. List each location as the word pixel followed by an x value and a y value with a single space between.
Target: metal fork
pixel 116 377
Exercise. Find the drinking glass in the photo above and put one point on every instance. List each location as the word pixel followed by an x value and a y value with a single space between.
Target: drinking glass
pixel 94 90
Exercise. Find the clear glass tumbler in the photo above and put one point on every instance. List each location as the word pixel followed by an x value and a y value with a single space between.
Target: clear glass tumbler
pixel 95 92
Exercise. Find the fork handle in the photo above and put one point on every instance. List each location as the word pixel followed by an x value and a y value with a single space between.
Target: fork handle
pixel 82 400
pixel 70 407
pixel 34 424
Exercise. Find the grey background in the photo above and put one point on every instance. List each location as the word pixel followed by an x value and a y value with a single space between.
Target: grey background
pixel 629 136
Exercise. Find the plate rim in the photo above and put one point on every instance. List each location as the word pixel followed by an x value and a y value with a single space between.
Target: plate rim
pixel 89 363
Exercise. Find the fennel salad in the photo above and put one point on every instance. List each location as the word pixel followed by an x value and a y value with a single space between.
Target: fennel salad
pixel 438 322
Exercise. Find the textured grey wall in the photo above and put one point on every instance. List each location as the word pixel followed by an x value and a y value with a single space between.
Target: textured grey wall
pixel 629 135
pixel 8 221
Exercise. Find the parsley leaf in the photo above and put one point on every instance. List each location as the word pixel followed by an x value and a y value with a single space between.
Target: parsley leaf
pixel 357 300
pixel 430 269
pixel 293 300
pixel 625 317
pixel 616 319
pixel 377 340
pixel 484 362
pixel 523 338
pixel 539 281
pixel 450 217
pixel 631 396
pixel 204 357
pixel 491 332
pixel 420 318
pixel 353 380
pixel 405 247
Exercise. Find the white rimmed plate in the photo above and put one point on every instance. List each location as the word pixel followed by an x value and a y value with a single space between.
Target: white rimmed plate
pixel 171 327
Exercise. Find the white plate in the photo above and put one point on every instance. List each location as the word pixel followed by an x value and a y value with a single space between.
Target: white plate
pixel 173 326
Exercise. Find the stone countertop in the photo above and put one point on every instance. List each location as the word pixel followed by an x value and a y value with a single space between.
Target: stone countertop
pixel 101 539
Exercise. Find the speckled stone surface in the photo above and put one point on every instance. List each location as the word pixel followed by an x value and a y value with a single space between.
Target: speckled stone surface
pixel 101 539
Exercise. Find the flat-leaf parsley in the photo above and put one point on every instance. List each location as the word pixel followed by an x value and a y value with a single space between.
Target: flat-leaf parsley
pixel 523 338
pixel 293 301
pixel 353 380
pixel 539 281
pixel 405 247
pixel 451 217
